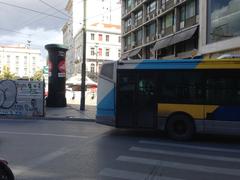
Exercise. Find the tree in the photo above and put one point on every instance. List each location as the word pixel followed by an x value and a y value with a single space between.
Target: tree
pixel 6 73
pixel 38 75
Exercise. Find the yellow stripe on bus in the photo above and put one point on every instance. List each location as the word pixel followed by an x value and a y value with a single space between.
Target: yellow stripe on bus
pixel 195 111
pixel 219 64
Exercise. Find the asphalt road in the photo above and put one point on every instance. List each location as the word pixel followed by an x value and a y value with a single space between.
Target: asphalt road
pixel 57 150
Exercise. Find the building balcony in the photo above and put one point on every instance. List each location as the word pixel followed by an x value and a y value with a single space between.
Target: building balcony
pixel 189 22
pixel 167 31
pixel 138 23
pixel 169 4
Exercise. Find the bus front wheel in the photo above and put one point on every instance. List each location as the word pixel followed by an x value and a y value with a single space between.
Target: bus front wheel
pixel 180 127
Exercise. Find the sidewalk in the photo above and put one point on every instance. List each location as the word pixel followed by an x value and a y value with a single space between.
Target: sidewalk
pixel 71 112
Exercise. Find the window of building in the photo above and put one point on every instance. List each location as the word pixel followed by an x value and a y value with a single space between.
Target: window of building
pixel 100 37
pixel 107 38
pixel 129 4
pixel 139 37
pixel 119 53
pixel 167 24
pixel 92 68
pixel 223 20
pixel 127 42
pixel 162 2
pixel 138 18
pixel 127 24
pixel 151 31
pixel 190 9
pixel 92 51
pixel 151 7
pixel 169 20
pixel 182 13
pixel 25 60
pixel 17 60
pixel 188 13
pixel 92 36
pixel 8 59
pixel 100 51
pixel 107 52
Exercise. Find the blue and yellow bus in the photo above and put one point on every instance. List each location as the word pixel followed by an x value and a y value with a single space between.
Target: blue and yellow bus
pixel 181 97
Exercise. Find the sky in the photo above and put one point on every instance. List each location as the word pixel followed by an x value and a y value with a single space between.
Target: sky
pixel 38 21
pixel 18 25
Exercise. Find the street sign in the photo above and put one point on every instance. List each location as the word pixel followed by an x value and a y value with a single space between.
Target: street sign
pixel 45 69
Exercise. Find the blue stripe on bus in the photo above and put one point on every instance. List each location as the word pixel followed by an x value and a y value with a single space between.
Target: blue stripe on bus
pixel 230 113
pixel 167 64
pixel 103 112
pixel 107 104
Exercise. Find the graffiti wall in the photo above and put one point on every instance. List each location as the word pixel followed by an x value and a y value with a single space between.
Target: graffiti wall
pixel 20 97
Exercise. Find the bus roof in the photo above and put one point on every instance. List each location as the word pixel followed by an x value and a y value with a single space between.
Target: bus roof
pixel 181 64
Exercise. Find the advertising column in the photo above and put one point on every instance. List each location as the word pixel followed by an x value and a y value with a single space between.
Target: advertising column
pixel 56 75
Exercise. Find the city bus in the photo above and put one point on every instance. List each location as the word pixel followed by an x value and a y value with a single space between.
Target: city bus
pixel 181 97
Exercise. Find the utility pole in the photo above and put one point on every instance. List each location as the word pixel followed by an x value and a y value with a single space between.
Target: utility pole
pixel 96 47
pixel 82 105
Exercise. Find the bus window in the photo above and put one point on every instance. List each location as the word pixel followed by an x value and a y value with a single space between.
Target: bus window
pixel 223 88
pixel 107 70
pixel 181 87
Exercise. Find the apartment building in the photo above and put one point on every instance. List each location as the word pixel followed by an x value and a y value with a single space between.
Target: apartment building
pixel 22 61
pixel 101 11
pixel 168 29
pixel 103 43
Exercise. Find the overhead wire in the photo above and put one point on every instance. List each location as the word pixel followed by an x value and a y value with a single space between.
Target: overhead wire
pixel 32 10
pixel 49 5
pixel 42 13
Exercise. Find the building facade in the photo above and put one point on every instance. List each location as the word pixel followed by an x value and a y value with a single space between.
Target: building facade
pixel 105 11
pixel 22 61
pixel 103 43
pixel 168 29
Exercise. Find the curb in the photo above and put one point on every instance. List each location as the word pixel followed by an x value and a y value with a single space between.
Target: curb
pixel 48 118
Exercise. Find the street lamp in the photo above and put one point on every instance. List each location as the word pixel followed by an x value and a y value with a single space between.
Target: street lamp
pixel 96 53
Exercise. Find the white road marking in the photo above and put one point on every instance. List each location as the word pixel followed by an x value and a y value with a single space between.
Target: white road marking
pixel 182 166
pixel 39 161
pixel 191 146
pixel 115 173
pixel 42 134
pixel 183 154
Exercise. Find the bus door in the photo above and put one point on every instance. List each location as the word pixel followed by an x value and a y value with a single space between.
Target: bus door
pixel 125 98
pixel 145 105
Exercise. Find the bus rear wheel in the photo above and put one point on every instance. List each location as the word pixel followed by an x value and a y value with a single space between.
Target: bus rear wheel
pixel 180 127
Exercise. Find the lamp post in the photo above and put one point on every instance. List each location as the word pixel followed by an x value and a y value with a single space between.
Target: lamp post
pixel 96 47
pixel 82 104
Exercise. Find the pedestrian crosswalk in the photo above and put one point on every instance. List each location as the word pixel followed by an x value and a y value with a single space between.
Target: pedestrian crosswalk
pixel 123 174
pixel 197 160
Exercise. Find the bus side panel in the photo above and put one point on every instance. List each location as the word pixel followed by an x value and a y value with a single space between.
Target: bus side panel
pixel 106 102
pixel 222 119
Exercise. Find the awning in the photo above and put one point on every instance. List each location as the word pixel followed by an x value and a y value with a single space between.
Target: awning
pixel 134 52
pixel 183 36
pixel 162 43
pixel 124 56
